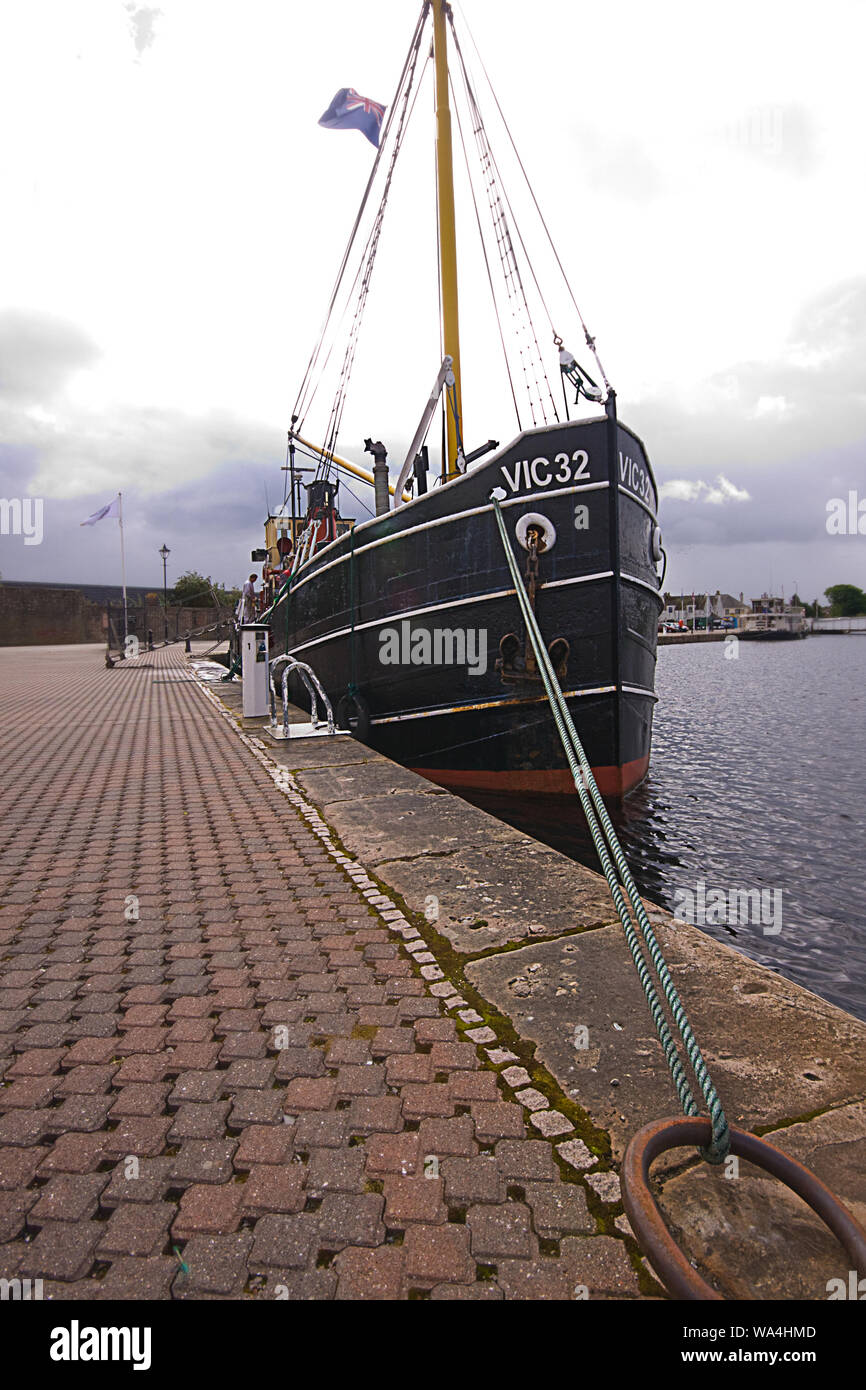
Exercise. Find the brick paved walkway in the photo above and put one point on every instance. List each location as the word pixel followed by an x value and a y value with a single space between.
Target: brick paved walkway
pixel 221 1074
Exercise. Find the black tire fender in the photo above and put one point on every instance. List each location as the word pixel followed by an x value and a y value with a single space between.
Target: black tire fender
pixel 353 713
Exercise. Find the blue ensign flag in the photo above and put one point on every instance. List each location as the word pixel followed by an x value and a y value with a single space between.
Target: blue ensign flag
pixel 349 111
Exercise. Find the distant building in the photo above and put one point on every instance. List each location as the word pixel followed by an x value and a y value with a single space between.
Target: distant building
pixel 689 608
pixel 736 609
pixel 94 593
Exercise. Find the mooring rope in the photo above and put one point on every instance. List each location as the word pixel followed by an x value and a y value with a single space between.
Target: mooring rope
pixel 610 853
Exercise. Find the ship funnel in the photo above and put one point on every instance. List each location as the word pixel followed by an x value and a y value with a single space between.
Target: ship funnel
pixel 380 474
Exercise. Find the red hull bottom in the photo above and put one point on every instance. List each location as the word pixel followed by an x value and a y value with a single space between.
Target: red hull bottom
pixel 613 782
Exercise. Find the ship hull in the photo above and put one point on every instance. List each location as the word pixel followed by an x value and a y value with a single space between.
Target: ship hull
pixel 770 635
pixel 409 612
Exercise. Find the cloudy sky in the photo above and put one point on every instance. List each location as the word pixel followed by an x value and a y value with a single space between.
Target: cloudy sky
pixel 174 217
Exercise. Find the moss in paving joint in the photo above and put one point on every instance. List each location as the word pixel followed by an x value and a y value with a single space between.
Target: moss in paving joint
pixel 508 947
pixel 761 1130
pixel 364 1030
pixel 648 1285
pixel 410 858
pixel 453 963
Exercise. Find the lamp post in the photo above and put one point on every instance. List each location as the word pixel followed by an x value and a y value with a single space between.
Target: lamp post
pixel 164 552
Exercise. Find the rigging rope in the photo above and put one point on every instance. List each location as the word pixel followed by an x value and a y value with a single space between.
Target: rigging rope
pixel 302 403
pixel 588 338
pixel 486 258
pixel 610 853
pixel 366 272
pixel 530 355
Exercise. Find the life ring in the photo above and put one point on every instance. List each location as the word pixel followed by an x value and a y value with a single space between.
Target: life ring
pixel 353 713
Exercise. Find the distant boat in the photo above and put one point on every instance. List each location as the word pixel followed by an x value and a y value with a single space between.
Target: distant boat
pixel 788 626
pixel 410 620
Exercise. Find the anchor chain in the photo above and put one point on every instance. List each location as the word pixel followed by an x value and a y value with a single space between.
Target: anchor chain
pixel 532 539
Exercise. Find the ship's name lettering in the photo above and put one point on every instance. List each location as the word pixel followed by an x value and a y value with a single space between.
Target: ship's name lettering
pixel 540 472
pixel 633 476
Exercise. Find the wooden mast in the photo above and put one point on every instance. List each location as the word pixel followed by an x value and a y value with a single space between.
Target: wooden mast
pixel 447 233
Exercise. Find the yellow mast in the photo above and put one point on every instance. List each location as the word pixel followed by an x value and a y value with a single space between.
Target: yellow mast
pixel 447 231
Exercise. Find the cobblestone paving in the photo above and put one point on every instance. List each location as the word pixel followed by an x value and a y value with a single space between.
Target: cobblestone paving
pixel 222 1076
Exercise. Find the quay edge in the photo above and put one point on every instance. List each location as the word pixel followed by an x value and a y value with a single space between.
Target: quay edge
pixel 534 939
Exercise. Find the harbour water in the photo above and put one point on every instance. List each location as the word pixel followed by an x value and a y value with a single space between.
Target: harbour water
pixel 756 783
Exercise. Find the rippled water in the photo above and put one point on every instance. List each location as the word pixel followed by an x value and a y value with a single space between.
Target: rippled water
pixel 757 782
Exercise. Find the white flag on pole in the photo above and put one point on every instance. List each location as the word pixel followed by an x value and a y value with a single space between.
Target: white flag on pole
pixel 109 510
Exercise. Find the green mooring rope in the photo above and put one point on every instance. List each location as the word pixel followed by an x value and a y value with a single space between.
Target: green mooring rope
pixel 595 811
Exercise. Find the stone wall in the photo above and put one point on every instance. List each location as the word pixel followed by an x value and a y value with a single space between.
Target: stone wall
pixel 179 621
pixel 45 617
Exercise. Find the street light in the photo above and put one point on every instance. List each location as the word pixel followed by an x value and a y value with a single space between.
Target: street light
pixel 164 552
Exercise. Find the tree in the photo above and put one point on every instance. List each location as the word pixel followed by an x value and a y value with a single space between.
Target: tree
pixel 846 600
pixel 194 590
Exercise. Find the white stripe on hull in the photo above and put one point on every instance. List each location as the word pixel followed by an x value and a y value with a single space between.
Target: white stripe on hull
pixel 512 700
pixel 441 607
pixel 440 521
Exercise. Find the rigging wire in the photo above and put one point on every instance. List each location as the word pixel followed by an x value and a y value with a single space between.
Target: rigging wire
pixel 589 339
pixel 486 259
pixel 307 454
pixel 536 380
pixel 368 262
pixel 531 356
pixel 301 403
pixel 361 503
pixel 354 286
pixel 504 189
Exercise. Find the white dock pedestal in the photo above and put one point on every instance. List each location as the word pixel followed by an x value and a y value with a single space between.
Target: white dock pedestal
pixel 254 669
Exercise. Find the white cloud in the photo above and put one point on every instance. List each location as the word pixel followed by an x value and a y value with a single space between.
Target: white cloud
pixel 142 22
pixel 696 490
pixel 179 216
pixel 772 406
pixel 726 491
pixel 681 490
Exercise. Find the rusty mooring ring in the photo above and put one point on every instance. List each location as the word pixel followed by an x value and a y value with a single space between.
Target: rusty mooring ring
pixel 655 1239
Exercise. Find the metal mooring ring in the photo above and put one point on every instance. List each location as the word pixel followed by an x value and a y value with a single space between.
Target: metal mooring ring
pixel 656 1241
pixel 541 523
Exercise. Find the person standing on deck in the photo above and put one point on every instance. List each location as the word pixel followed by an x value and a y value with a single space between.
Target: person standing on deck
pixel 247 605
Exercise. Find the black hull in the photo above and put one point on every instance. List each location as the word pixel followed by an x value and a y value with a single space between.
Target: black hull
pixel 771 636
pixel 386 610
